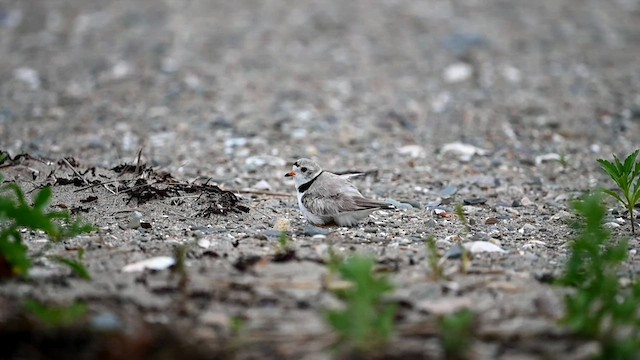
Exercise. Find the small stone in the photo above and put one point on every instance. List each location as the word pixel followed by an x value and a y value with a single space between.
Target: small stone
pixel 547 158
pixel 475 201
pixel 491 221
pixel 155 263
pixel 457 72
pixel 262 185
pixel 454 252
pixel 399 205
pixel 482 246
pixel 525 201
pixel 134 220
pixel 204 243
pixel 413 151
pixel 527 229
pixel 448 191
pixel 464 152
pixel 611 225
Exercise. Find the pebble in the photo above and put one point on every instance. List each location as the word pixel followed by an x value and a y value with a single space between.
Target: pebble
pixel 611 225
pixel 464 152
pixel 491 221
pixel 448 191
pixel 540 159
pixel 134 221
pixel 454 252
pixel 399 205
pixel 457 72
pixel 525 201
pixel 204 243
pixel 155 263
pixel 413 151
pixel 262 185
pixel 475 201
pixel 527 229
pixel 482 246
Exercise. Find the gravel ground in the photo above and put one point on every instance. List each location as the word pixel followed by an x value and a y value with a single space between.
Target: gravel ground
pixel 502 106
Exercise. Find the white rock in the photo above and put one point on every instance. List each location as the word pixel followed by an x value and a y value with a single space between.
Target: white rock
pixel 463 151
pixel 547 158
pixel 457 72
pixel 414 151
pixel 121 70
pixel 611 225
pixel 262 185
pixel 512 74
pixel 482 246
pixel 525 201
pixel 29 76
pixel 134 220
pixel 155 263
pixel 204 243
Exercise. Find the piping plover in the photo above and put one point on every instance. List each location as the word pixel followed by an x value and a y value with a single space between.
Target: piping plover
pixel 326 198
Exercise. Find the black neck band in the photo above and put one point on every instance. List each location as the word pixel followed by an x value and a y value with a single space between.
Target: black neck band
pixel 304 187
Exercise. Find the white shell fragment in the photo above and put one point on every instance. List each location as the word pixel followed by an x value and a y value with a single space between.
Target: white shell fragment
pixel 547 158
pixel 464 152
pixel 155 263
pixel 482 246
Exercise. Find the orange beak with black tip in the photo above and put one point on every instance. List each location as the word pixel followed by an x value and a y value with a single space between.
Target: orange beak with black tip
pixel 290 174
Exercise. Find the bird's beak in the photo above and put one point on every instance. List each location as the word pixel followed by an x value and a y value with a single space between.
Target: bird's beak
pixel 290 174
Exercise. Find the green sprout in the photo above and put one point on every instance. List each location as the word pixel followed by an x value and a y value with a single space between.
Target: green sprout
pixel 17 214
pixel 600 309
pixel 457 333
pixel 437 272
pixel 626 174
pixel 56 316
pixel 365 325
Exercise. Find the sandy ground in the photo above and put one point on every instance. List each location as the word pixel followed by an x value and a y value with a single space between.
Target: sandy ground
pixel 233 92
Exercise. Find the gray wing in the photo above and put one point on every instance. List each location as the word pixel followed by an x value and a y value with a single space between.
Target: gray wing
pixel 335 195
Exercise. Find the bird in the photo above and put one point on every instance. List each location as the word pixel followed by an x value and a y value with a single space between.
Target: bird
pixel 325 198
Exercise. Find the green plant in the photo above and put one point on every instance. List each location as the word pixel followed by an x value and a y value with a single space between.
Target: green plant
pixel 457 333
pixel 600 309
pixel 626 174
pixel 463 218
pixel 284 245
pixel 76 266
pixel 56 316
pixel 366 323
pixel 435 265
pixel 16 214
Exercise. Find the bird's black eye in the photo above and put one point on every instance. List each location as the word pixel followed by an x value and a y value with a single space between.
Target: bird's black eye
pixel 303 169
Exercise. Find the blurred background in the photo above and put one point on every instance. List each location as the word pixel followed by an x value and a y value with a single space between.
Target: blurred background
pixel 198 84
